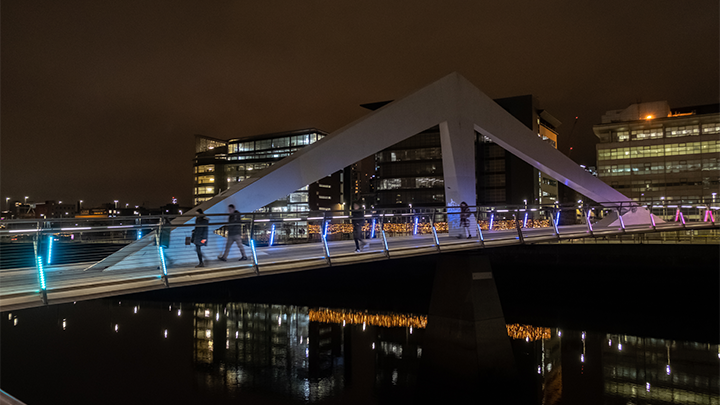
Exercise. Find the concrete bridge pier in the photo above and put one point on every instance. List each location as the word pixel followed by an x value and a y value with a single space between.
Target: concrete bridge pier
pixel 466 345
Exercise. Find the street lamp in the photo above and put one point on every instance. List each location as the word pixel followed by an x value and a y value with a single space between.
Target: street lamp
pixel 25 203
pixel 81 201
pixel 7 202
pixel 116 201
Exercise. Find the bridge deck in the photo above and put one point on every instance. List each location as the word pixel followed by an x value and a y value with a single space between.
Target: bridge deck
pixel 68 283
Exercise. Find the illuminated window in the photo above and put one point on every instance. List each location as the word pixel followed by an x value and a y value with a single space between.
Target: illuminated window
pixel 205 169
pixel 711 128
pixel 673 132
pixel 205 179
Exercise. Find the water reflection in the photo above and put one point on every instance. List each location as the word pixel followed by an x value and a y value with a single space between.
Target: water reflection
pixel 228 352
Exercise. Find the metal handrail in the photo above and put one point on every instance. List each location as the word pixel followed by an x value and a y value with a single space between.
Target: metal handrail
pixel 7 399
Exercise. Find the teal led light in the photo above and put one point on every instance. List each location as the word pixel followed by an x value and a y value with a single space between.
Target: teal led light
pixel 41 273
pixel 50 243
pixel 252 247
pixel 162 260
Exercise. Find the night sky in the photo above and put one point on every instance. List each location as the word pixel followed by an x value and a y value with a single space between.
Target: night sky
pixel 101 100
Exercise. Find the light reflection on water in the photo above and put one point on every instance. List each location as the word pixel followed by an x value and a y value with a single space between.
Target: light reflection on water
pixel 239 350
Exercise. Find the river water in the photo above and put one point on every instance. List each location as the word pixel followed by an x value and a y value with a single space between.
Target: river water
pixel 174 347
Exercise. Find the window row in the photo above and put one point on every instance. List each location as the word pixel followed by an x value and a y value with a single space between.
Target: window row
pixel 409 183
pixel 409 155
pixel 204 190
pixel 668 132
pixel 671 149
pixel 410 169
pixel 282 142
pixel 675 166
pixel 243 168
pixel 205 169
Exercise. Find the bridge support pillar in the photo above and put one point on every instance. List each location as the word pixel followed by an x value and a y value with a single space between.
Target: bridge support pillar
pixel 466 339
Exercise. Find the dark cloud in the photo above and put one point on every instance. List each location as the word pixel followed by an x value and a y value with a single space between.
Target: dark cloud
pixel 100 100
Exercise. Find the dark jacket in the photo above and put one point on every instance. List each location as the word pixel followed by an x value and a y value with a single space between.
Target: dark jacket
pixel 234 228
pixel 200 233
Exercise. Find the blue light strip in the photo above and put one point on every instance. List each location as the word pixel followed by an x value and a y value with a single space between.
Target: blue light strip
pixel 588 220
pixel 272 235
pixel 139 234
pixel 50 243
pixel 437 241
pixel 385 241
pixel 525 221
pixel 492 218
pixel 41 273
pixel 252 247
pixel 325 229
pixel 162 260
pixel 372 229
pixel 415 227
pixel 557 222
pixel 622 223
pixel 480 233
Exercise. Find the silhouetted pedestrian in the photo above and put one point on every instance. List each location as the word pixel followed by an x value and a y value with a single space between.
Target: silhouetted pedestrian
pixel 200 235
pixel 234 234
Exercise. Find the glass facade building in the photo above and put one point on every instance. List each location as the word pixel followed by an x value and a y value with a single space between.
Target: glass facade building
pixel 220 164
pixel 654 154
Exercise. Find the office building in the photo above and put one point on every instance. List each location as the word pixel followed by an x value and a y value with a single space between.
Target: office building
pixel 219 164
pixel 411 171
pixel 503 178
pixel 655 154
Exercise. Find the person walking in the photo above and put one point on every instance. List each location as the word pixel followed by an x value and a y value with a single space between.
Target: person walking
pixel 234 234
pixel 358 220
pixel 200 235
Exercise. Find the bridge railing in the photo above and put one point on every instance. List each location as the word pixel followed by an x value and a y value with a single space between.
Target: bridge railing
pixel 73 240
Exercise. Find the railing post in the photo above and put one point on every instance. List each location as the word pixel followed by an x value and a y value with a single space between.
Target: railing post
pixel 555 219
pixel 386 250
pixel 39 265
pixel 161 253
pixel 652 219
pixel 479 229
pixel 434 231
pixel 586 214
pixel 517 226
pixel 323 236
pixel 619 212
pixel 251 234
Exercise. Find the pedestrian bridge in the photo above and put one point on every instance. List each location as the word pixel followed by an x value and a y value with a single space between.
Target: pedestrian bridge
pixel 65 260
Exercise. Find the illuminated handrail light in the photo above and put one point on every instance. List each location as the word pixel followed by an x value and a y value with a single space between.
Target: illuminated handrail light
pixel 262 220
pixel 81 228
pixel 23 230
pixel 162 260
pixel 50 244
pixel 41 273
pixel 120 226
pixel 416 226
pixel 254 252
pixel 291 219
pixel 272 235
